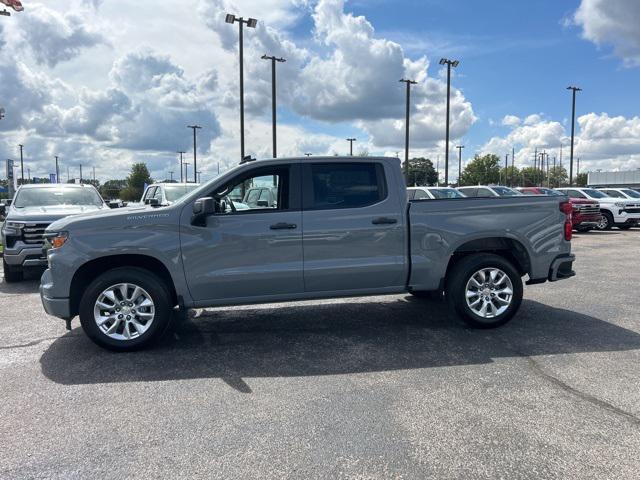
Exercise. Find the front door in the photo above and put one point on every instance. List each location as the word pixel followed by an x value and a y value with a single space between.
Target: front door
pixel 248 252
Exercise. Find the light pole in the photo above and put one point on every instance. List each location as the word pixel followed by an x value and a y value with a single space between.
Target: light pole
pixel 273 60
pixel 57 171
pixel 186 166
pixel 513 164
pixel 351 140
pixel 449 64
pixel 80 174
pixel 406 128
pixel 506 169
pixel 21 164
pixel 94 176
pixel 573 130
pixel 195 128
pixel 251 23
pixel 181 164
pixel 171 176
pixel 459 147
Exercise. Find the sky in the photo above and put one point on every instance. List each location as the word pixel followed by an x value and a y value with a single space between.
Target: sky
pixel 106 83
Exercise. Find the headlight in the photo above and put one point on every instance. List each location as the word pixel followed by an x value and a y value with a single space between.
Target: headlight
pixel 13 228
pixel 56 240
pixel 620 204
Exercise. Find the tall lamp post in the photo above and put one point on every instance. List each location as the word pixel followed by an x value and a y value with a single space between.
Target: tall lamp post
pixel 186 166
pixel 406 128
pixel 251 23
pixel 459 147
pixel 351 140
pixel 57 171
pixel 273 60
pixel 21 164
pixel 449 64
pixel 195 161
pixel 573 130
pixel 180 152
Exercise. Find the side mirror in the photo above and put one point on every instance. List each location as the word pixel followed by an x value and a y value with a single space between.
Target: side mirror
pixel 114 204
pixel 202 208
pixel 8 202
pixel 262 203
pixel 154 202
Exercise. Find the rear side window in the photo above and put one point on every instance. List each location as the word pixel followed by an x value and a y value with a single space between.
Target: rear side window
pixel 344 185
pixel 469 192
pixel 484 192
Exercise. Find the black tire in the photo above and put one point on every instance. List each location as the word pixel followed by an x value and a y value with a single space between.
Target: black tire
pixel 584 229
pixel 158 292
pixel 11 274
pixel 623 226
pixel 435 295
pixel 607 221
pixel 461 274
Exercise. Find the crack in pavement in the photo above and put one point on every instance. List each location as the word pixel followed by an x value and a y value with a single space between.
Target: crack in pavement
pixel 587 397
pixel 34 342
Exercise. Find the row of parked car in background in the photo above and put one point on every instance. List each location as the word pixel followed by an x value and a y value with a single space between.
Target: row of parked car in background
pixel 36 206
pixel 601 209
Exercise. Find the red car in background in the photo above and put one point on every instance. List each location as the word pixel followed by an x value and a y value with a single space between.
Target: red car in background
pixel 586 213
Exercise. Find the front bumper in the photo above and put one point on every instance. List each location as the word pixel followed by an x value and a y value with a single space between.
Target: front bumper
pixel 25 257
pixel 58 307
pixel 562 268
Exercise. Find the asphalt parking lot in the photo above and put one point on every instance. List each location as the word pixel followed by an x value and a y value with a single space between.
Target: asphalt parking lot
pixel 383 387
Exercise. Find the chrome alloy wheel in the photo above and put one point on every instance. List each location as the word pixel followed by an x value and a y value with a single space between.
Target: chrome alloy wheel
pixel 124 311
pixel 489 292
pixel 603 223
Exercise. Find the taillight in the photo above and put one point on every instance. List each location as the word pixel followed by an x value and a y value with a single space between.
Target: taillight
pixel 567 209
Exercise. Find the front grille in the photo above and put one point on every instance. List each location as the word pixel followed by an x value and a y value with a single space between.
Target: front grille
pixel 632 210
pixel 33 233
pixel 589 209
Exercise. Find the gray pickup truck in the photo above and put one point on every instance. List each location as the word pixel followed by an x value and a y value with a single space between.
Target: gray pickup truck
pixel 34 208
pixel 341 227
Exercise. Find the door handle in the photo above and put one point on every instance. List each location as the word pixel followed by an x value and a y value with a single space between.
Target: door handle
pixel 384 221
pixel 283 226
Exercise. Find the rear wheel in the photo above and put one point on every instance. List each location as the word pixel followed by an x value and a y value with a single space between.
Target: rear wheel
pixel 484 290
pixel 125 309
pixel 606 222
pixel 11 274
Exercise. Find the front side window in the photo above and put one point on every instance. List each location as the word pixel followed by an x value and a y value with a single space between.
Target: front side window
pixel 245 194
pixel 506 192
pixel 631 193
pixel 594 193
pixel 420 195
pixel 575 194
pixel 613 193
pixel 484 192
pixel 345 185
pixel 446 193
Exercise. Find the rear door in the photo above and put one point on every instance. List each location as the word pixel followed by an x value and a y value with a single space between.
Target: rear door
pixel 354 227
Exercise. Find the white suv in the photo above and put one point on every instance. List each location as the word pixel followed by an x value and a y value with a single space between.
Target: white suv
pixel 489 191
pixel 620 212
pixel 432 193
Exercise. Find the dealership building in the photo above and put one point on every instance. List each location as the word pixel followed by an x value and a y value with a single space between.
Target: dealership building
pixel 629 179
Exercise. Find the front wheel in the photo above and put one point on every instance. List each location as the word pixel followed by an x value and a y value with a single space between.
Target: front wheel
pixel 125 309
pixel 484 290
pixel 11 274
pixel 606 222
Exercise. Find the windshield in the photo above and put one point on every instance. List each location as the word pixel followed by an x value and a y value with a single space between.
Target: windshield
pixel 44 197
pixel 550 191
pixel 174 192
pixel 594 193
pixel 446 193
pixel 506 192
pixel 630 193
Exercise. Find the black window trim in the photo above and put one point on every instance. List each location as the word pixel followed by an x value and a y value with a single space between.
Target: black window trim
pixel 307 184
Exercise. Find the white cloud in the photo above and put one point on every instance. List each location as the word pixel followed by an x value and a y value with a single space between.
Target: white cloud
pixel 511 121
pixel 612 22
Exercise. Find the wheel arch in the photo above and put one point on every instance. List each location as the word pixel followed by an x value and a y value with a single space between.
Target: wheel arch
pixel 91 269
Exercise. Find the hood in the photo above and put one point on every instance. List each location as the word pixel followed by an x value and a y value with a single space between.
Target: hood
pixel 107 213
pixel 51 213
pixel 582 201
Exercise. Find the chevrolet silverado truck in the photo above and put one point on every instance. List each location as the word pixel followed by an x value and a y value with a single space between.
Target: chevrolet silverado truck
pixel 34 208
pixel 621 213
pixel 585 215
pixel 340 227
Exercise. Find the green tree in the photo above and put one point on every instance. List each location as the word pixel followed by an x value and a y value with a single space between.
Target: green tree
pixel 135 182
pixel 421 172
pixel 111 189
pixel 512 176
pixel 582 179
pixel 483 170
pixel 558 177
